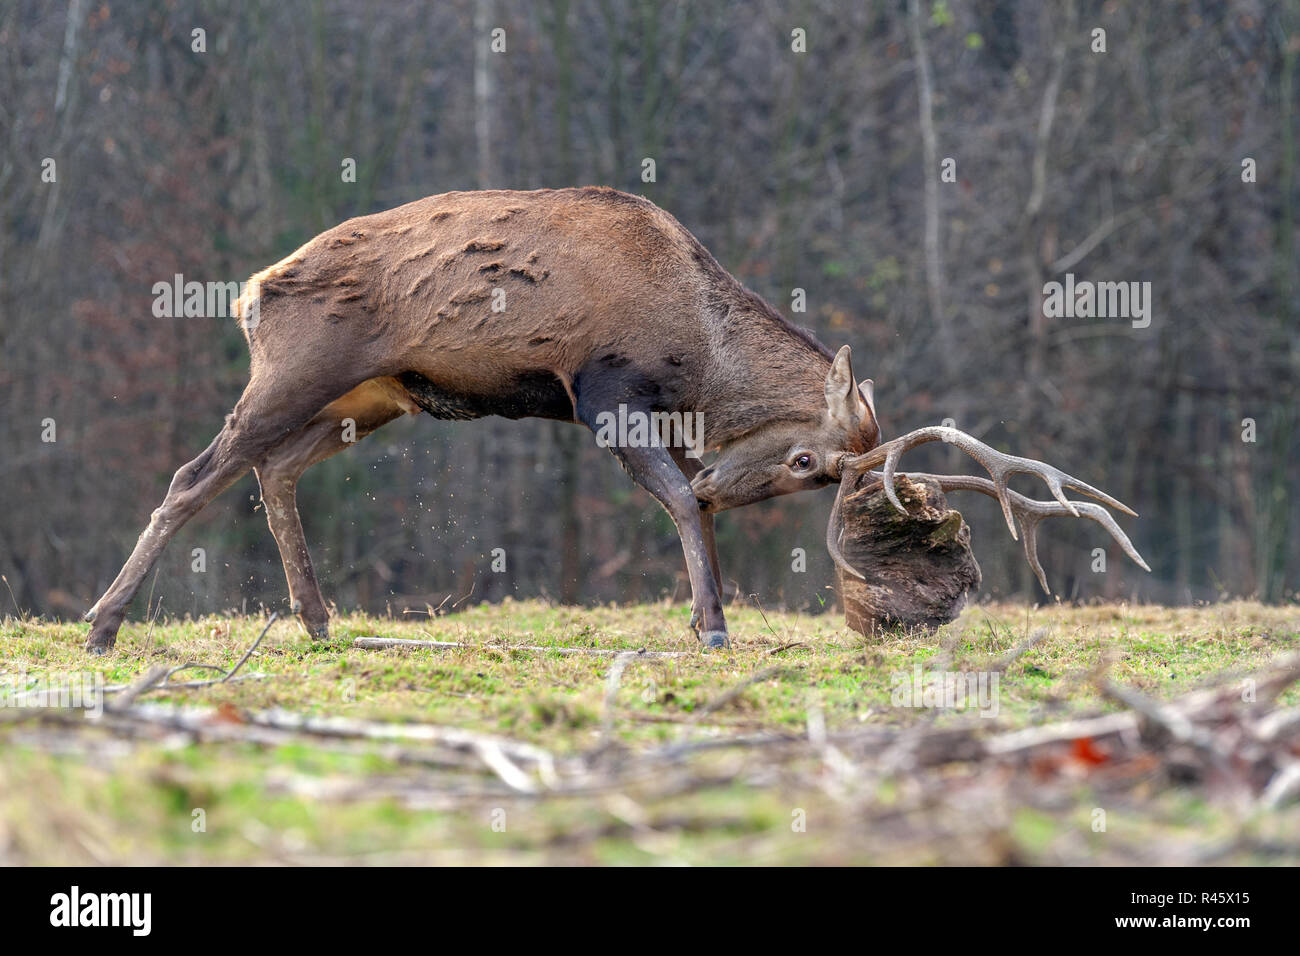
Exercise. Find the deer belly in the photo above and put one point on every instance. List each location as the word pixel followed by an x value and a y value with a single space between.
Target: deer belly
pixel 537 394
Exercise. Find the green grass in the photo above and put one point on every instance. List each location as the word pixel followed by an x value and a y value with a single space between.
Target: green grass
pixel 80 796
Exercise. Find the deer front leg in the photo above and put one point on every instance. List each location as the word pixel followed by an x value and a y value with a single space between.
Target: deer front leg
pixel 654 470
pixel 690 468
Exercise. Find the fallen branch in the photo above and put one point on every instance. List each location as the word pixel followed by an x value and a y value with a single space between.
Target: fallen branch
pixel 160 677
pixel 784 647
pixel 1240 748
pixel 454 737
pixel 189 684
pixel 379 643
pixel 249 653
pixel 1032 738
pixel 155 676
pixel 1169 719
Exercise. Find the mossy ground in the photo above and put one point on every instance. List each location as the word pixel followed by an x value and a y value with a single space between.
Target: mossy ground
pixel 87 797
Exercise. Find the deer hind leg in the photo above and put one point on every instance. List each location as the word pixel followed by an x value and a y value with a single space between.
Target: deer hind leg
pixel 337 426
pixel 273 405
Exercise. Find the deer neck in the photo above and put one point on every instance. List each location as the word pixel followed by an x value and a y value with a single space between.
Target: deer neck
pixel 762 376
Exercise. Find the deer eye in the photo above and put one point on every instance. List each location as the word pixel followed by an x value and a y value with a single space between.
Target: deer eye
pixel 803 462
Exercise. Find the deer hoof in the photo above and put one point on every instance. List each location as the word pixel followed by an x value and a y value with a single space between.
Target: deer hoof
pixel 715 639
pixel 98 646
pixel 103 634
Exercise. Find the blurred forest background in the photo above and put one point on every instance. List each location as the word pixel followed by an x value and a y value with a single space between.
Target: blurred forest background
pixel 816 170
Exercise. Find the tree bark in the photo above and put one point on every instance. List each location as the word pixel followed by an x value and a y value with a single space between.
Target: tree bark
pixel 918 567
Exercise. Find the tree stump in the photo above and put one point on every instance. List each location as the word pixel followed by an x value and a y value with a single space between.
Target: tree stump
pixel 918 567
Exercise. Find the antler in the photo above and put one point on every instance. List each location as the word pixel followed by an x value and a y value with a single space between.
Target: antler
pixel 1001 466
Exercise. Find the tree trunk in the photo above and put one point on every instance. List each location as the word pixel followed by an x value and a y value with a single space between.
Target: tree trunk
pixel 918 567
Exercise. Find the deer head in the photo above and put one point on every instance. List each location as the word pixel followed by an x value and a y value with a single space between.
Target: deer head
pixel 782 456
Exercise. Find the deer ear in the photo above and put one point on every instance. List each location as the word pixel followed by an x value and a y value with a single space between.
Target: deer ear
pixel 844 403
pixel 868 389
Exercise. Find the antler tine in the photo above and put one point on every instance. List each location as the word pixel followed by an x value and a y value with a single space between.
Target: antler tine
pixel 1029 541
pixel 1000 466
pixel 1030 512
pixel 835 531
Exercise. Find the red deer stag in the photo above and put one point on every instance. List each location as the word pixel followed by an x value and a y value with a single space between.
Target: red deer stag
pixel 570 304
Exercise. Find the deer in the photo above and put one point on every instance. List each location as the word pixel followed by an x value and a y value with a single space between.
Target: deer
pixel 564 304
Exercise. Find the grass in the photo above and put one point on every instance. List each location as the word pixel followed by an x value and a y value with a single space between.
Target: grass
pixel 83 797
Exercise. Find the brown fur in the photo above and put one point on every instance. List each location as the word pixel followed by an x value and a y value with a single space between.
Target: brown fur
pixel 570 264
